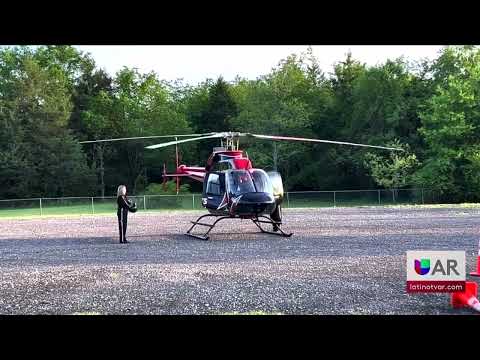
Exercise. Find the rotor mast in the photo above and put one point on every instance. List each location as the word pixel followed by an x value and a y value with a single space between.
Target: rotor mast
pixel 231 141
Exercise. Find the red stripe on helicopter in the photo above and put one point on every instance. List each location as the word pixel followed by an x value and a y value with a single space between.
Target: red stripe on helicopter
pixel 242 163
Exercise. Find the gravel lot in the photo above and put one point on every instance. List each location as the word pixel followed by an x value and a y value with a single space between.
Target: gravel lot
pixel 339 261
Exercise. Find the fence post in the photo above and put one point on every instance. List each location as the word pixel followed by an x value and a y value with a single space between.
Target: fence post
pixel 93 209
pixel 288 201
pixel 423 202
pixel 193 201
pixel 379 197
pixel 144 202
pixel 41 211
pixel 334 200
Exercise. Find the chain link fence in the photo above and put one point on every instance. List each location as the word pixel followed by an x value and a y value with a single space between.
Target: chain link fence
pixel 312 199
pixel 294 199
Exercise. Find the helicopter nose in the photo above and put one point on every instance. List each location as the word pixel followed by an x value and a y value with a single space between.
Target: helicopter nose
pixel 256 198
pixel 255 203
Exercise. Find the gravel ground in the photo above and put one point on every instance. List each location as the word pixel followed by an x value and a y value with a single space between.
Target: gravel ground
pixel 339 261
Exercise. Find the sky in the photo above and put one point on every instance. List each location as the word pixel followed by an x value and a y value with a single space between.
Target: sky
pixel 195 64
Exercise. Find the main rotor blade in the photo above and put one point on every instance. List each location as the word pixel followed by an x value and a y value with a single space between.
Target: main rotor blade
pixel 269 137
pixel 156 146
pixel 143 137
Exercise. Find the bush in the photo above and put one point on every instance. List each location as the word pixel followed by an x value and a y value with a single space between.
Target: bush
pixel 168 202
pixel 170 189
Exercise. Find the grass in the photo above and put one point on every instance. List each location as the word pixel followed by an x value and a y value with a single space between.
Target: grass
pixel 343 203
pixel 26 215
pixel 57 210
pixel 109 209
pixel 82 207
pixel 440 206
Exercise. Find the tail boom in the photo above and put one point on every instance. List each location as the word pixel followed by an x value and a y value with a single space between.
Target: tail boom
pixel 195 173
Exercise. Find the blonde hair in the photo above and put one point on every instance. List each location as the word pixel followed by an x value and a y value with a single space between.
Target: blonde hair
pixel 122 190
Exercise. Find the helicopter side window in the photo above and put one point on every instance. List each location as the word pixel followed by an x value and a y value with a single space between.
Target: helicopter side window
pixel 216 184
pixel 262 181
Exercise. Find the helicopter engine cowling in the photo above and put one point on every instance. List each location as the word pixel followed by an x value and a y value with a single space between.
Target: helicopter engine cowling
pixel 277 184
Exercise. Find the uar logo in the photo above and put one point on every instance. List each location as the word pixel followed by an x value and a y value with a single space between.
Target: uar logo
pixel 422 266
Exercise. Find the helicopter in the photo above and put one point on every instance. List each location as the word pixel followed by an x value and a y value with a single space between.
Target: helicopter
pixel 232 187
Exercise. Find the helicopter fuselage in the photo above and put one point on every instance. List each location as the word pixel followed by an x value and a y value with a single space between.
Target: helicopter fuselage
pixel 232 187
pixel 243 193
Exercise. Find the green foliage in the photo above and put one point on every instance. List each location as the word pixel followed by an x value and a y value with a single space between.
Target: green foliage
pixel 53 96
pixel 140 183
pixel 138 105
pixel 395 170
pixel 38 156
pixel 210 108
pixel 219 109
pixel 285 102
pixel 170 188
pixel 450 123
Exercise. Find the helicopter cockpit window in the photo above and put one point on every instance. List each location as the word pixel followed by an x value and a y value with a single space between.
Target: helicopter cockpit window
pixel 262 181
pixel 240 182
pixel 216 184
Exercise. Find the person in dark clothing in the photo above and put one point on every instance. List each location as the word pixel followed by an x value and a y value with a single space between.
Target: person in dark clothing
pixel 277 217
pixel 124 206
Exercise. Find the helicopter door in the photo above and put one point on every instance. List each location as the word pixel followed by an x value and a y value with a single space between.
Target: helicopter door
pixel 214 190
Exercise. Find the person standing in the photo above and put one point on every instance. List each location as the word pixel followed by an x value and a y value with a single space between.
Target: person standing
pixel 124 206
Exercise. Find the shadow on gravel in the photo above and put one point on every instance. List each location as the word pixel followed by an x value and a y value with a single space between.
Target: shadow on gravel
pixel 178 235
pixel 226 237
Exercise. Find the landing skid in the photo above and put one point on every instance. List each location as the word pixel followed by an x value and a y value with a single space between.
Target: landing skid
pixel 210 226
pixel 256 221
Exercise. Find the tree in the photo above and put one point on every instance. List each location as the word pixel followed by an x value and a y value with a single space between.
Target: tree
pixel 450 122
pixel 211 108
pixel 344 79
pixel 50 96
pixel 344 164
pixel 139 105
pixel 39 155
pixel 96 124
pixel 89 85
pixel 392 171
pixel 220 108
pixel 72 63
pixel 277 104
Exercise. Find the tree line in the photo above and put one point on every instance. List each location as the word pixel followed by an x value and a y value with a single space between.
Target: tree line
pixel 53 97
